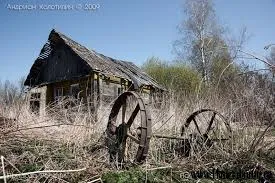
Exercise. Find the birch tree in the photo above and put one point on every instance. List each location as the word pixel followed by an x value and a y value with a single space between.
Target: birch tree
pixel 201 35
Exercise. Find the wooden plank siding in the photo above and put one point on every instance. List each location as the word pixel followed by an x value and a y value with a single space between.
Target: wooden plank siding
pixel 66 68
pixel 62 65
pixel 84 87
pixel 94 89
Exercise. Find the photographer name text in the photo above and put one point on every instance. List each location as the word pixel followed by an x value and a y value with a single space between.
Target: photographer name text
pixel 53 7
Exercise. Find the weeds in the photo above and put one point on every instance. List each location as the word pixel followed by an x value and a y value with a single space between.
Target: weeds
pixel 69 139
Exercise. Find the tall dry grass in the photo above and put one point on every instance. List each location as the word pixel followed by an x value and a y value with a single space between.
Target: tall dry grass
pixel 70 138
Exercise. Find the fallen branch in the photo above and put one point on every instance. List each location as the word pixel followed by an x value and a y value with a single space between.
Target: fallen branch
pixel 96 180
pixel 46 126
pixel 159 168
pixel 3 169
pixel 44 171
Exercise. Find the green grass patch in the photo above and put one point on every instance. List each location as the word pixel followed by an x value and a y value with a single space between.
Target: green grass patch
pixel 136 175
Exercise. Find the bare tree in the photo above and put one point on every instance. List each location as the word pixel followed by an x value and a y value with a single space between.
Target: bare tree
pixel 10 92
pixel 201 35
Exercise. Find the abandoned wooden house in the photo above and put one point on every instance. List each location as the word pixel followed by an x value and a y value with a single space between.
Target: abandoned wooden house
pixel 66 68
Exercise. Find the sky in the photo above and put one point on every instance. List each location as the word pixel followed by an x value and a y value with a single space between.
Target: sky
pixel 122 29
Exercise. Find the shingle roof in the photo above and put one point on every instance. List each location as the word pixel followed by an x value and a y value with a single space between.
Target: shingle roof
pixel 99 62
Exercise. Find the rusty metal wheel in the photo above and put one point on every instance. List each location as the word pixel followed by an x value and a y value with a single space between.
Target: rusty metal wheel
pixel 129 129
pixel 205 127
pixel 209 124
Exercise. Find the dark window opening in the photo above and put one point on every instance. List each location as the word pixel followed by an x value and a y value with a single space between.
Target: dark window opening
pixel 58 94
pixel 35 102
pixel 107 81
pixel 35 96
pixel 75 90
pixel 35 106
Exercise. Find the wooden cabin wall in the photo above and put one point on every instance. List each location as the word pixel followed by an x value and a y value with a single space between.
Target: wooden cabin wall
pixel 62 64
pixel 145 93
pixel 107 88
pixel 96 90
pixel 84 87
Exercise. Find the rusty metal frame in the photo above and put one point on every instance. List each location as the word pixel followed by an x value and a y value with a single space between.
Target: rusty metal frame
pixel 117 135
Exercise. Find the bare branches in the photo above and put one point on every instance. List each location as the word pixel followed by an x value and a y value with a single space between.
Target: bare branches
pixel 268 63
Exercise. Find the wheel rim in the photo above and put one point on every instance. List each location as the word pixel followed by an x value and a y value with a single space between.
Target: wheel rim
pixel 128 137
pixel 209 127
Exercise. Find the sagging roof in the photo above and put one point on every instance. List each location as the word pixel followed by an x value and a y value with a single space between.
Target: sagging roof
pixel 97 62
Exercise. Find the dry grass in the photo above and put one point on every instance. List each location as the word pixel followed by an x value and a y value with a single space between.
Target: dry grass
pixel 65 139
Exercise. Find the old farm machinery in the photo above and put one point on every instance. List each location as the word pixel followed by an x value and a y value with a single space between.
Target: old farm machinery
pixel 129 129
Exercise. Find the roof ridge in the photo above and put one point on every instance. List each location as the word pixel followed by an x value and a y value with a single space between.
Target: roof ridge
pixel 108 65
pixel 92 50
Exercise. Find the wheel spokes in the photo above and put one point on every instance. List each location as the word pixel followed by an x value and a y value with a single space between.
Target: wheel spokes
pixel 210 129
pixel 197 125
pixel 125 141
pixel 210 123
pixel 136 140
pixel 133 116
pixel 123 112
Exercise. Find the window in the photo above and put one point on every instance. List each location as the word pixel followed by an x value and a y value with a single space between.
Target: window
pixel 58 93
pixel 35 102
pixel 35 106
pixel 75 90
pixel 35 96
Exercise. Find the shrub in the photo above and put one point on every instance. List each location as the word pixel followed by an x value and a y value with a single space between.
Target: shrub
pixel 174 76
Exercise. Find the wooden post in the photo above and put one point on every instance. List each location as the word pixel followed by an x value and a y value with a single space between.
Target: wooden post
pixel 96 85
pixel 88 95
pixel 94 96
pixel 99 91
